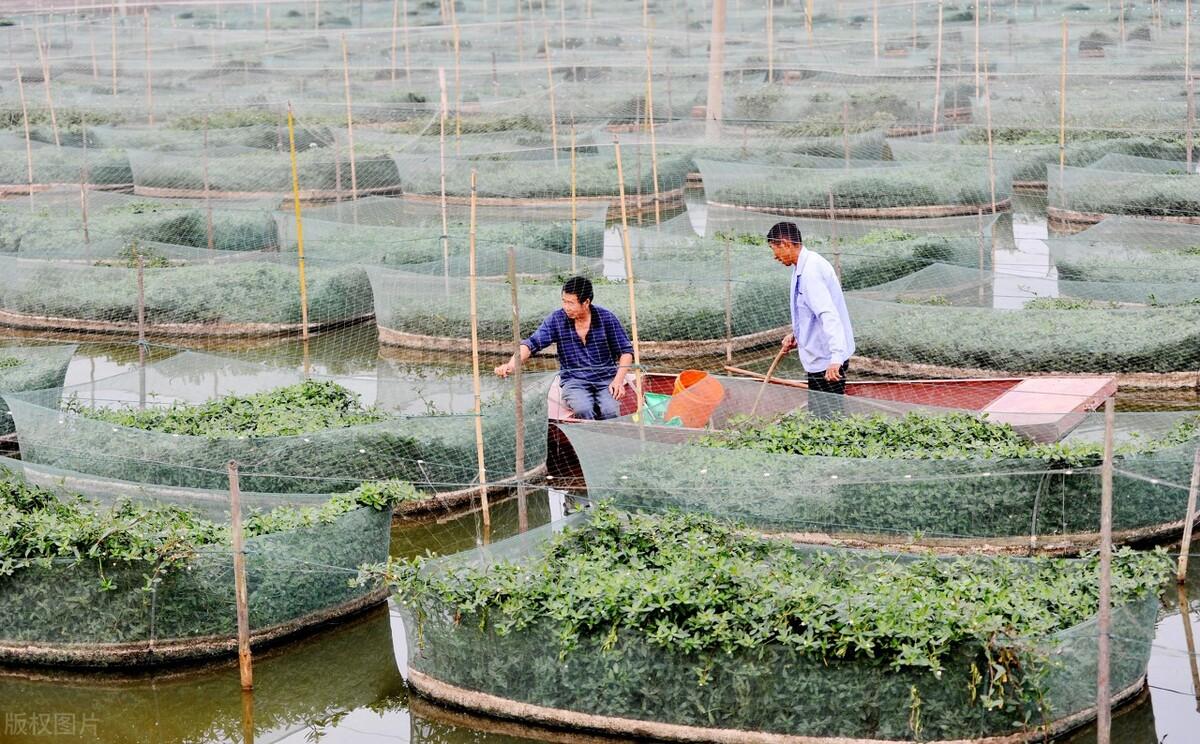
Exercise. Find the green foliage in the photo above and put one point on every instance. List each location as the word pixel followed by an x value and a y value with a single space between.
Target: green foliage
pixel 673 604
pixel 1061 303
pixel 9 362
pixel 949 436
pixel 128 256
pixel 309 406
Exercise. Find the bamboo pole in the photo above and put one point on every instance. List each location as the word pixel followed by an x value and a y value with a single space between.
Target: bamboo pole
pixel 268 26
pixel 728 301
pixel 442 161
pixel 716 73
pixel 987 107
pixel 28 138
pixel 1189 521
pixel 395 28
pixel 937 73
pixel 149 68
pixel 349 122
pixel 1103 691
pixel 208 213
pixel 833 238
pixel 550 88
pixel 979 231
pixel 633 324
pixel 875 29
pixel 914 26
pixel 977 48
pixel 141 319
pixel 483 494
pixel 45 64
pixel 407 56
pixel 299 227
pixel 650 127
pixel 1062 106
pixel 846 132
pixel 574 207
pixel 1121 23
pixel 808 19
pixel 1187 77
pixel 1185 614
pixel 770 41
pixel 317 16
pixel 562 24
pixel 114 52
pixel 457 83
pixel 245 669
pixel 518 396
pixel 92 46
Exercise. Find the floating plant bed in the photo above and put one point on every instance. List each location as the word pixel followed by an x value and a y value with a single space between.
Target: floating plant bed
pixel 682 628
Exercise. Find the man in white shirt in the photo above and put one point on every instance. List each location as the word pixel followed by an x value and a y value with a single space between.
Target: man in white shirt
pixel 820 322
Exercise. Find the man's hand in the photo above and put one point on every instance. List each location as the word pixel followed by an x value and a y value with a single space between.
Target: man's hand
pixel 504 370
pixel 617 388
pixel 789 342
pixel 833 373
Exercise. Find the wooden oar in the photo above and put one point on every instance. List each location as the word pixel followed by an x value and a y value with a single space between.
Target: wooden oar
pixel 767 380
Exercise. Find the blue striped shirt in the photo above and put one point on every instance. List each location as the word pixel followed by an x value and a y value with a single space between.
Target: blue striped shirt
pixel 594 361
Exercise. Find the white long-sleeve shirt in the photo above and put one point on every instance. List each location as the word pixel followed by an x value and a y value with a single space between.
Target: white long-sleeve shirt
pixel 820 320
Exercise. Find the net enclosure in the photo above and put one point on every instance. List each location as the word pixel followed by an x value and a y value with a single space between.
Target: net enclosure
pixel 638 660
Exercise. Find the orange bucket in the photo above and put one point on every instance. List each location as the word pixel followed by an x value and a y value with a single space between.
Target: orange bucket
pixel 697 394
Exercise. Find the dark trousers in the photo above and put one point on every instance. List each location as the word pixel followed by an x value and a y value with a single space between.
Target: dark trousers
pixel 828 404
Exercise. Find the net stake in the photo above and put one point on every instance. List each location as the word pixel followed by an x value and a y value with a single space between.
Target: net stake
pixel 483 494
pixel 977 44
pixel 574 207
pixel 1062 106
pixel 1103 691
pixel 716 72
pixel 550 90
pixel 518 396
pixel 349 124
pixel 83 179
pixel 245 670
pixel 28 140
pixel 442 163
pixel 728 301
pixel 770 41
pixel 299 226
pixel 1189 522
pixel 1185 614
pixel 92 45
pixel 650 127
pixel 874 29
pixel 633 324
pixel 987 107
pixel 149 68
pixel 395 25
pixel 208 214
pixel 457 82
pixel 114 51
pixel 42 59
pixel 937 73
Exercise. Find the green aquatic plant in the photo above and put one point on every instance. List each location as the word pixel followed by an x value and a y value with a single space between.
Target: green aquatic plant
pixel 306 407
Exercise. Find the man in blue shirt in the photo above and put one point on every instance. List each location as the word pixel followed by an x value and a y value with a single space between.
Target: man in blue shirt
pixel 820 322
pixel 593 352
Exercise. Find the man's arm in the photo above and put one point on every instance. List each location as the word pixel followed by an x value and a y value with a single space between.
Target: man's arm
pixel 820 301
pixel 540 339
pixel 617 386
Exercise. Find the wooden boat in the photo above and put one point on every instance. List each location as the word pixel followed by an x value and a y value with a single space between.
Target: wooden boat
pixel 1044 409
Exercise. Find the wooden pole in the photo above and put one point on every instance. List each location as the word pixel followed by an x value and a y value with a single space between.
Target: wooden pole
pixel 349 120
pixel 633 324
pixel 1121 23
pixel 299 226
pixel 728 301
pixel 208 213
pixel 937 73
pixel 716 72
pixel 149 67
pixel 518 396
pixel 114 52
pixel 92 45
pixel 407 57
pixel 1189 522
pixel 650 127
pixel 574 207
pixel 1187 78
pixel 875 29
pixel 1062 106
pixel 442 161
pixel 1185 614
pixel 987 107
pixel 141 316
pixel 28 139
pixel 977 48
pixel 833 238
pixel 550 88
pixel 245 669
pixel 45 64
pixel 979 231
pixel 457 83
pixel 770 41
pixel 395 28
pixel 808 19
pixel 483 494
pixel 1103 691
